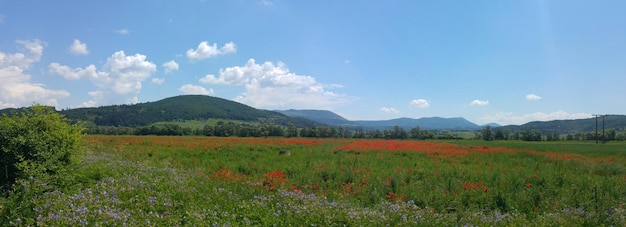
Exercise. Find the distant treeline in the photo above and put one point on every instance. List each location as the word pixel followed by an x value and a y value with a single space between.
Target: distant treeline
pixel 227 129
pixel 488 133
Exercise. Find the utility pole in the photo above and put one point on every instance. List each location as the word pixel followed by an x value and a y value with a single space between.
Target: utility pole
pixel 596 135
pixel 603 135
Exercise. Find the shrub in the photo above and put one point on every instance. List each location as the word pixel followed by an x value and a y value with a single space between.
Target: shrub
pixel 37 144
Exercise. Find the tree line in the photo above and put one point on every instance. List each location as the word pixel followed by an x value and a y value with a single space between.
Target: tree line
pixel 488 134
pixel 227 129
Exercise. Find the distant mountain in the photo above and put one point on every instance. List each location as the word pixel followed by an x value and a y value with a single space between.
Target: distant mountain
pixel 200 107
pixel 330 118
pixel 617 122
pixel 178 108
pixel 493 125
pixel 457 123
pixel 321 116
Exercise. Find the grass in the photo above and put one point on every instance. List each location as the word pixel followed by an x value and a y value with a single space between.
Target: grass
pixel 173 181
pixel 587 148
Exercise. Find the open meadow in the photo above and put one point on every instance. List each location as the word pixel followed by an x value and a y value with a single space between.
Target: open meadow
pixel 170 181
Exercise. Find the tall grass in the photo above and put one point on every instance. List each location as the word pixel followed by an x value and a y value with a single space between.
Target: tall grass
pixel 244 181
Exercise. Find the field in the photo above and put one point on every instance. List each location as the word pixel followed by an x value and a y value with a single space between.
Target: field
pixel 170 181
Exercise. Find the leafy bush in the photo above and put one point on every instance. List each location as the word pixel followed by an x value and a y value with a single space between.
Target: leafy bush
pixel 37 144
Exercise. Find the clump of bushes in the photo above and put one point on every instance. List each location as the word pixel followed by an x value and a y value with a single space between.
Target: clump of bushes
pixel 37 155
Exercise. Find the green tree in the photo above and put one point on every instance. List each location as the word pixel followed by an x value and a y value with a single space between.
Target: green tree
pixel 292 130
pixel 487 133
pixel 37 144
pixel 415 132
pixel 499 135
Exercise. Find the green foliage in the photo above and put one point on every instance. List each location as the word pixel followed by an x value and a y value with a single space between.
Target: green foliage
pixel 39 144
pixel 487 133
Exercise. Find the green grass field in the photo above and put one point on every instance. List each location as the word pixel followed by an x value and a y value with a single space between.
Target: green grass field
pixel 171 181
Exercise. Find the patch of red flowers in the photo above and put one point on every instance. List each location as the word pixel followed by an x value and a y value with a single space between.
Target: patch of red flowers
pixel 274 179
pixel 394 196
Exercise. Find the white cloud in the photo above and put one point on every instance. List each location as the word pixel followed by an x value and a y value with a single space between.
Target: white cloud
pixel 512 119
pixel 189 89
pixel 532 97
pixel 170 66
pixel 120 79
pixel 477 102
pixel 389 110
pixel 16 90
pixel 419 103
pixel 205 51
pixel 77 73
pixel 122 31
pixel 90 103
pixel 158 80
pixel 78 48
pixel 272 86
pixel 33 51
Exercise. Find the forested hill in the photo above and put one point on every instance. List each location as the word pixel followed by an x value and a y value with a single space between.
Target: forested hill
pixel 616 122
pixel 180 108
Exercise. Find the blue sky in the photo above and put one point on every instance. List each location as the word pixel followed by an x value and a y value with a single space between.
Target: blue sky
pixel 507 62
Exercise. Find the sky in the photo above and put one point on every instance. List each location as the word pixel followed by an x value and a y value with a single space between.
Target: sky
pixel 508 62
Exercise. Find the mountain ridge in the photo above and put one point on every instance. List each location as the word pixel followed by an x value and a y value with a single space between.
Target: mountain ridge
pixel 616 122
pixel 330 118
pixel 176 108
pixel 202 107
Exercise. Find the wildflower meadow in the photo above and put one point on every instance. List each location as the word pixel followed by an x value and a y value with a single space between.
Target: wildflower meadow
pixel 211 181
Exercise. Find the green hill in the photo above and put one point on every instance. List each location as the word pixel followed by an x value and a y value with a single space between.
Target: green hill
pixel 616 122
pixel 180 108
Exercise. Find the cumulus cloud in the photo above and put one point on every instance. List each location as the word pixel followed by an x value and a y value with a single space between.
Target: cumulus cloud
pixel 16 90
pixel 512 119
pixel 76 73
pixel 419 103
pixel 78 48
pixel 477 102
pixel 170 66
pixel 122 31
pixel 273 86
pixel 204 50
pixel 189 89
pixel 120 79
pixel 158 80
pixel 532 97
pixel 389 110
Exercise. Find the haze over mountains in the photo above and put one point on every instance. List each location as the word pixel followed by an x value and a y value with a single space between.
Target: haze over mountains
pixel 330 118
pixel 201 107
